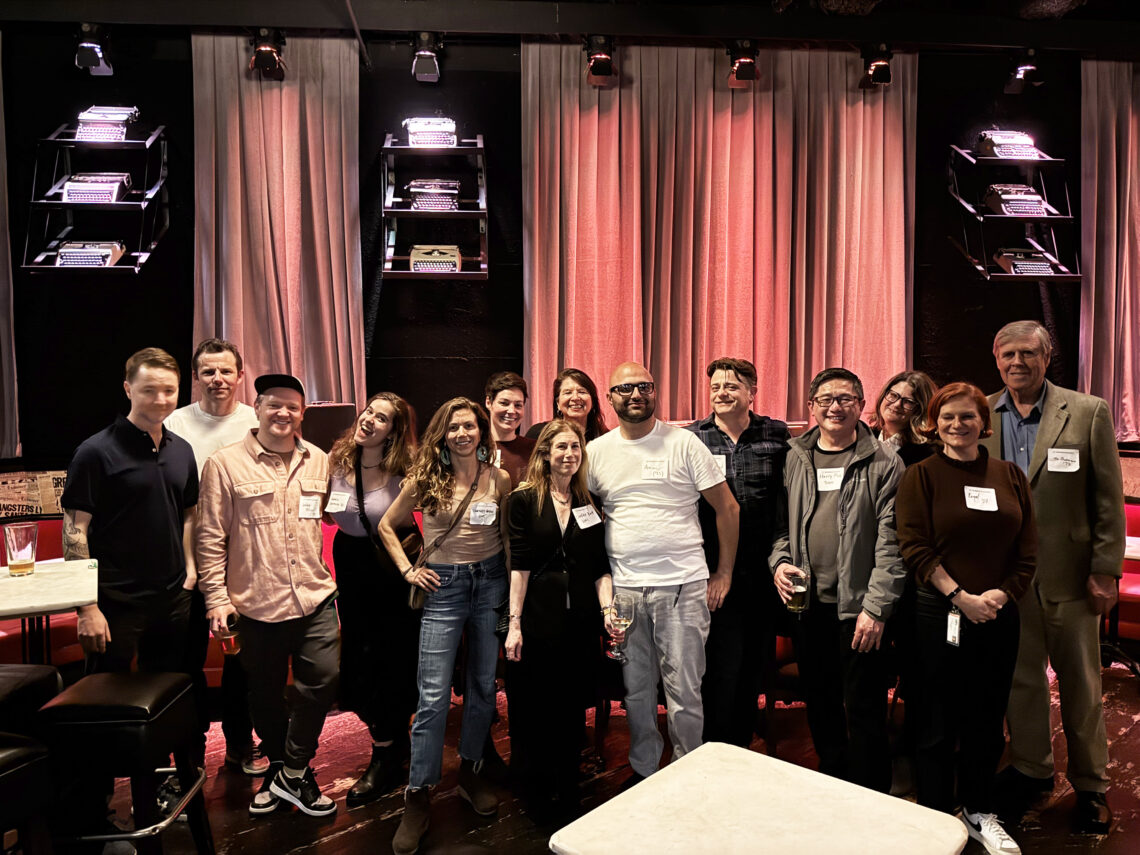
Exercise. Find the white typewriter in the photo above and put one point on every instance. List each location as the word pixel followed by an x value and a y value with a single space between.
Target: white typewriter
pixel 435 258
pixel 96 187
pixel 1015 200
pixel 105 124
pixel 103 253
pixel 1008 144
pixel 433 194
pixel 430 132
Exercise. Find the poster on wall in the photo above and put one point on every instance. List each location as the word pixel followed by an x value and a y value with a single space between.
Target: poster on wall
pixel 29 494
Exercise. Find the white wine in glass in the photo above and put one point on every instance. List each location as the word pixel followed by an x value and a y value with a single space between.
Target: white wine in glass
pixel 621 618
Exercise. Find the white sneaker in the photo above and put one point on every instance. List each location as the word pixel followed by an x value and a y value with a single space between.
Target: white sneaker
pixel 985 828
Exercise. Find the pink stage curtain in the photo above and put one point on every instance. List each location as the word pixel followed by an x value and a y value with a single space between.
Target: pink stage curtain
pixel 9 411
pixel 1110 240
pixel 672 220
pixel 277 244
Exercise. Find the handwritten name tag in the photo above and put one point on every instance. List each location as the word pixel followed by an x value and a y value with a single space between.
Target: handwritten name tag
pixel 337 502
pixel 829 479
pixel 653 470
pixel 1064 460
pixel 586 516
pixel 981 499
pixel 310 508
pixel 483 513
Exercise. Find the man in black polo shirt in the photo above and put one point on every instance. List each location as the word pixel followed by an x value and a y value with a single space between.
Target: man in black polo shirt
pixel 129 502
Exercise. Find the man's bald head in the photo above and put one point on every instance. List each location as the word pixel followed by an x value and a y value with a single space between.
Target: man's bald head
pixel 630 372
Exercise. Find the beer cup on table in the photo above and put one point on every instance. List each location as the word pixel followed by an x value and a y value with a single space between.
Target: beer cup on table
pixel 801 591
pixel 20 543
pixel 229 638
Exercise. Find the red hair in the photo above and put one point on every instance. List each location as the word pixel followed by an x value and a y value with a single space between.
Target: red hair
pixel 958 390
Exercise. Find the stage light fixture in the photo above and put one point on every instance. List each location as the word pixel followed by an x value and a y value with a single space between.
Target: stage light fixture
pixel 600 61
pixel 877 63
pixel 743 53
pixel 1024 72
pixel 268 46
pixel 425 62
pixel 91 53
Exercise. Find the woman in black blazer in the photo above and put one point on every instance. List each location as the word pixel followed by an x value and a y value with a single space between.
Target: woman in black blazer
pixel 560 588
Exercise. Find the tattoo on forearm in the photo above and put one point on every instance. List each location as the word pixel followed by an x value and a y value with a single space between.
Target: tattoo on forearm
pixel 74 540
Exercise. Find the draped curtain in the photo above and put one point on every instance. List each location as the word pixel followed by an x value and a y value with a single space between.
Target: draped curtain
pixel 9 413
pixel 1110 240
pixel 671 220
pixel 277 238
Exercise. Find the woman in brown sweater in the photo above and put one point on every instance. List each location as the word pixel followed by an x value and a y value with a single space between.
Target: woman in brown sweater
pixel 966 532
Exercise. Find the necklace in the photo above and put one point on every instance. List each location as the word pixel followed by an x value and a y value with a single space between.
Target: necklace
pixel 559 499
pixel 377 466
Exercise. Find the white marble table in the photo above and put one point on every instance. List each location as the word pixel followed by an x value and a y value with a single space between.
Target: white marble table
pixel 721 799
pixel 56 586
pixel 1132 548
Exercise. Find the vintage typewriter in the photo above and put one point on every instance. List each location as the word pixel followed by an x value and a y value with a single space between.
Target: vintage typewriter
pixel 433 194
pixel 103 253
pixel 435 258
pixel 1008 144
pixel 431 132
pixel 1015 200
pixel 1024 262
pixel 96 187
pixel 105 124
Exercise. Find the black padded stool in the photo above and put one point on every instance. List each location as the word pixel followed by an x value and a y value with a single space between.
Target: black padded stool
pixel 23 690
pixel 126 726
pixel 25 792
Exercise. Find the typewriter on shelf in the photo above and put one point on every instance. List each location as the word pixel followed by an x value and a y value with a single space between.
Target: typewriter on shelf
pixel 1024 262
pixel 431 132
pixel 1015 200
pixel 96 187
pixel 105 124
pixel 433 194
pixel 435 258
pixel 1008 144
pixel 102 253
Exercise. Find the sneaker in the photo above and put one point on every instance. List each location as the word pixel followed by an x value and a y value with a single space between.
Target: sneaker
pixel 985 828
pixel 265 800
pixel 302 792
pixel 168 795
pixel 251 760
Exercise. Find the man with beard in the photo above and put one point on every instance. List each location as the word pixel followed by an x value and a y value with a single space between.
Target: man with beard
pixel 649 477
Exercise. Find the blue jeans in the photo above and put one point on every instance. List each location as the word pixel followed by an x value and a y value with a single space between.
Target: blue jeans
pixel 468 596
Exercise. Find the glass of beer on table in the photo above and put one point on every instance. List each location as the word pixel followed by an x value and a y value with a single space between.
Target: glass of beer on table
pixel 20 543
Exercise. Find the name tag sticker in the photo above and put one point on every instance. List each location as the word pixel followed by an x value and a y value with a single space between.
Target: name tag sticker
pixel 953 627
pixel 1064 459
pixel 337 502
pixel 310 508
pixel 981 499
pixel 829 479
pixel 586 516
pixel 497 459
pixel 653 470
pixel 721 463
pixel 484 513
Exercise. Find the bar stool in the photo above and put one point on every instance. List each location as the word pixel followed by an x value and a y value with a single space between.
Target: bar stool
pixel 23 690
pixel 25 792
pixel 126 726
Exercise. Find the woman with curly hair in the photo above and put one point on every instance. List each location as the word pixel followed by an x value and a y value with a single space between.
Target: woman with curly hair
pixel 576 399
pixel 465 580
pixel 378 631
pixel 900 415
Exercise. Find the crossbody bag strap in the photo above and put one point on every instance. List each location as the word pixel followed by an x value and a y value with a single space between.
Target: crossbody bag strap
pixel 428 550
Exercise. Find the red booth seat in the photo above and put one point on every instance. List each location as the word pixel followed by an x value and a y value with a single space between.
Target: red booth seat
pixel 1130 582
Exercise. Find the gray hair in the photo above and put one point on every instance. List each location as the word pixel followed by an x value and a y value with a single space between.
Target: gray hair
pixel 1024 329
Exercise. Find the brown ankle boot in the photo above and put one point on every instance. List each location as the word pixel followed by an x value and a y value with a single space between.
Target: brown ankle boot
pixel 414 824
pixel 475 790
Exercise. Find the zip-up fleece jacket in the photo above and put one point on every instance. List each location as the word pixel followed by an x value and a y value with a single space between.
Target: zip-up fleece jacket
pixel 871 571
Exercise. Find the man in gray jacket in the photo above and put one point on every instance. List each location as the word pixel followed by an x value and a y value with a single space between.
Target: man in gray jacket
pixel 838 530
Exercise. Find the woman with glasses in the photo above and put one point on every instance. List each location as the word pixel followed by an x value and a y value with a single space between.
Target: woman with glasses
pixel 560 585
pixel 575 399
pixel 900 415
pixel 378 632
pixel 465 580
pixel 966 531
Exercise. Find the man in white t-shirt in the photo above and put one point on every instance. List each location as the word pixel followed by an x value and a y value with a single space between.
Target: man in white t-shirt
pixel 649 477
pixel 216 420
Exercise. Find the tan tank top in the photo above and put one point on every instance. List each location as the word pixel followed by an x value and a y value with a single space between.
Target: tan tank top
pixel 467 543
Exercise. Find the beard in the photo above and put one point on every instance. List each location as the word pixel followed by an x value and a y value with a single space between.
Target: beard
pixel 634 418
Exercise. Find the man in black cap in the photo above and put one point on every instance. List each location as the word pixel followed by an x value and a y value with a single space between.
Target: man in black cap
pixel 259 552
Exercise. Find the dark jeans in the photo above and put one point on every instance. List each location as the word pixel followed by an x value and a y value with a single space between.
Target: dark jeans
pixel 846 696
pixel 153 628
pixel 311 642
pixel 197 645
pixel 739 651
pixel 962 696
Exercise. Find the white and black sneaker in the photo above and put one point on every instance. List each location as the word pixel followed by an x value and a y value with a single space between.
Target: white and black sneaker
pixel 302 792
pixel 985 828
pixel 264 800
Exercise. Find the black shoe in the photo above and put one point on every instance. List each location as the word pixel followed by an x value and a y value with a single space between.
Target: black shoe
pixel 632 781
pixel 1093 815
pixel 302 792
pixel 1015 792
pixel 384 774
pixel 493 768
pixel 264 800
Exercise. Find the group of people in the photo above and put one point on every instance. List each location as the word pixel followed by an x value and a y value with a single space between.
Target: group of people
pixel 980 535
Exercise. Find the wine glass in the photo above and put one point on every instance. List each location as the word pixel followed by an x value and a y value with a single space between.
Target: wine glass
pixel 621 617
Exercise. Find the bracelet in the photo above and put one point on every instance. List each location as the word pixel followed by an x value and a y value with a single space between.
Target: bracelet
pixel 954 593
pixel 608 609
pixel 514 617
pixel 409 570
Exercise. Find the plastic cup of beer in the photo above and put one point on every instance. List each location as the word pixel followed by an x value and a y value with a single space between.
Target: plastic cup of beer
pixel 801 588
pixel 229 638
pixel 20 543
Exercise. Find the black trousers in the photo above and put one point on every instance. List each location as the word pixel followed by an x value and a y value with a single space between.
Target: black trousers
pixel 738 653
pixel 846 697
pixel 960 705
pixel 152 627
pixel 290 733
pixel 379 640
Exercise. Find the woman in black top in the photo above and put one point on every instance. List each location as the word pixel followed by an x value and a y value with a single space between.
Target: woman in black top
pixel 560 585
pixel 576 399
pixel 900 415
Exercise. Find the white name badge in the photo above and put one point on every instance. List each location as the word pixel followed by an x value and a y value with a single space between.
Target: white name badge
pixel 981 499
pixel 721 463
pixel 497 459
pixel 337 502
pixel 653 470
pixel 953 627
pixel 310 508
pixel 829 479
pixel 1064 460
pixel 483 513
pixel 586 516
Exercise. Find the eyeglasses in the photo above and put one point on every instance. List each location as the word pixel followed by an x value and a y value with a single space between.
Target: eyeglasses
pixel 908 404
pixel 626 389
pixel 824 402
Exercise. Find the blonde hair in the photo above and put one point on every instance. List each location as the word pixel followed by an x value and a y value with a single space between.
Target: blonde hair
pixel 434 481
pixel 537 476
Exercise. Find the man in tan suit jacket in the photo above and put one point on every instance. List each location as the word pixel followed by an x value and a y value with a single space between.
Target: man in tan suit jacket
pixel 1065 443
